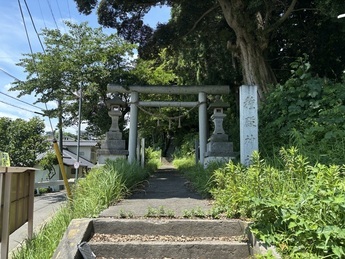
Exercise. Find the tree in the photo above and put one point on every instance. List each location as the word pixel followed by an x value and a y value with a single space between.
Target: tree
pixel 48 162
pixel 23 140
pixel 308 31
pixel 307 112
pixel 81 58
pixel 253 23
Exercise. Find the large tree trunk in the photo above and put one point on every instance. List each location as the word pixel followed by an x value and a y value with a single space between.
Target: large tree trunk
pixel 251 44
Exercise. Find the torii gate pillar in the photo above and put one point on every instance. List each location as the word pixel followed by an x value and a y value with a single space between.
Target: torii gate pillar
pixel 202 126
pixel 202 98
pixel 133 127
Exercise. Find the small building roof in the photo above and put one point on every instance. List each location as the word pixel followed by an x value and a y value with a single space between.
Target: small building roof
pixel 83 143
pixel 69 158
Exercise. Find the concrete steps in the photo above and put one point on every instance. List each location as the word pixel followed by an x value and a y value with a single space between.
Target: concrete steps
pixel 157 238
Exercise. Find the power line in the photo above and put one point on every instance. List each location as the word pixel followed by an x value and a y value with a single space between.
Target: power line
pixel 20 100
pixel 17 99
pixel 33 24
pixel 69 11
pixel 51 11
pixel 10 75
pixel 26 29
pixel 44 21
pixel 58 6
pixel 21 108
pixel 27 36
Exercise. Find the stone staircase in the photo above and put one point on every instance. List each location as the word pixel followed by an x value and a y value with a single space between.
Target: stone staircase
pixel 156 238
pixel 155 223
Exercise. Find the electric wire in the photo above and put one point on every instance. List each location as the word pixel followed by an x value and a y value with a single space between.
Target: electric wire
pixel 51 11
pixel 17 99
pixel 44 21
pixel 20 100
pixel 26 29
pixel 69 10
pixel 58 6
pixel 33 24
pixel 21 107
pixel 28 38
pixel 10 75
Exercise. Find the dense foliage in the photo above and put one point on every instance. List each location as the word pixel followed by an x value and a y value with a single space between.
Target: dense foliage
pixel 23 140
pixel 308 112
pixel 83 58
pixel 257 37
pixel 295 206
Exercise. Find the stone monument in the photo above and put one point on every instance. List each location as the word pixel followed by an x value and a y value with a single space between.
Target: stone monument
pixel 113 146
pixel 219 148
pixel 248 122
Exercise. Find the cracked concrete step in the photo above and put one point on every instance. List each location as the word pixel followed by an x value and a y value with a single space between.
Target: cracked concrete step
pixel 145 229
pixel 226 238
pixel 175 227
pixel 219 250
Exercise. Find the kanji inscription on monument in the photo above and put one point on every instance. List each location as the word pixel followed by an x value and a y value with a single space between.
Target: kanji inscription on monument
pixel 248 122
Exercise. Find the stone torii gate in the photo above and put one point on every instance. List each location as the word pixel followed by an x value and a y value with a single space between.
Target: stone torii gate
pixel 201 91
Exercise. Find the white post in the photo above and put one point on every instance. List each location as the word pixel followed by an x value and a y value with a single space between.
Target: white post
pixel 202 126
pixel 133 127
pixel 248 122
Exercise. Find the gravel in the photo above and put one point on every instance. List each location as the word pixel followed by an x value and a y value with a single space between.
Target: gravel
pixel 117 238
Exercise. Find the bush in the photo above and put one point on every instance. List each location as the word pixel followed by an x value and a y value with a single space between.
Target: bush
pixel 307 112
pixel 152 159
pixel 199 176
pixel 297 207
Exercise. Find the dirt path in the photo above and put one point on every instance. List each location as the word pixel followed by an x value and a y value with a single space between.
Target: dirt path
pixel 167 193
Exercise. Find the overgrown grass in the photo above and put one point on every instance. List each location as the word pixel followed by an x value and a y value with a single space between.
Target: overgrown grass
pixel 101 187
pixel 295 206
pixel 152 158
pixel 196 173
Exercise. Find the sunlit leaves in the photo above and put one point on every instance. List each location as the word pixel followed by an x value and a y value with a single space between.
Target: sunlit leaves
pixel 23 140
pixel 83 57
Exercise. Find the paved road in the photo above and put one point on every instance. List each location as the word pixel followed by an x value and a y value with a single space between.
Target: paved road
pixel 44 208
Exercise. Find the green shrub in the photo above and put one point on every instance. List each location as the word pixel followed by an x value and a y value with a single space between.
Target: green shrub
pixel 152 159
pixel 295 206
pixel 307 112
pixel 197 174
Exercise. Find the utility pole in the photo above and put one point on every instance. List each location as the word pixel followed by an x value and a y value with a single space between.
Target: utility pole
pixel 77 164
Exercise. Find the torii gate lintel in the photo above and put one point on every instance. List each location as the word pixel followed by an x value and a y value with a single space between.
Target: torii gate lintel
pixel 202 92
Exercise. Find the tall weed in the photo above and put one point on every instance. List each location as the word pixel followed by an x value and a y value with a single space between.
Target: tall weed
pixel 297 207
pixel 152 158
pixel 100 188
pixel 197 174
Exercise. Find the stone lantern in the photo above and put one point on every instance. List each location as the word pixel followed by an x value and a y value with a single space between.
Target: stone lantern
pixel 217 117
pixel 218 147
pixel 114 146
pixel 114 105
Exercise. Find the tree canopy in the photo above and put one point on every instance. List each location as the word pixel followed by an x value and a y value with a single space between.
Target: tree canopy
pixel 256 28
pixel 23 140
pixel 84 58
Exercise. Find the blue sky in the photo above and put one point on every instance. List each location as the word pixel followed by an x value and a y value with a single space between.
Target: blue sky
pixel 14 43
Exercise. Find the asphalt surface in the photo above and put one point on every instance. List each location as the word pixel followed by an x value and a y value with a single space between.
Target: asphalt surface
pixel 166 192
pixel 45 207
